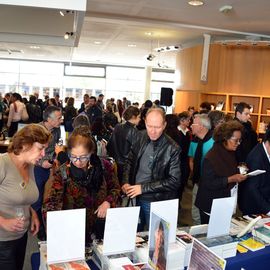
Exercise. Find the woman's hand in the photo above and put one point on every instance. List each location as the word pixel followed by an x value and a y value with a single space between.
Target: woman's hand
pixel 12 224
pixel 34 222
pixel 102 209
pixel 237 178
pixel 133 191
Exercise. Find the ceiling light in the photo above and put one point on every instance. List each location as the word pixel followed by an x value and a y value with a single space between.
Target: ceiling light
pixel 34 47
pixel 132 45
pixel 68 35
pixel 195 3
pixel 148 33
pixel 97 42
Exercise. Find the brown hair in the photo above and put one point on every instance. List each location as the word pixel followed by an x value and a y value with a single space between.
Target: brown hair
pixel 225 131
pixel 70 101
pixel 130 112
pixel 81 136
pixel 27 136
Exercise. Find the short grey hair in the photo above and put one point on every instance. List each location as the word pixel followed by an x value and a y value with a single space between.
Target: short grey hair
pixel 205 120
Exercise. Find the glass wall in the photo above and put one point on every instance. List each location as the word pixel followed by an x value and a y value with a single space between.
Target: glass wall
pixel 46 78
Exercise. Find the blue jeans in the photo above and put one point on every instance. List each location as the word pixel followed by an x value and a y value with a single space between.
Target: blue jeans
pixel 144 214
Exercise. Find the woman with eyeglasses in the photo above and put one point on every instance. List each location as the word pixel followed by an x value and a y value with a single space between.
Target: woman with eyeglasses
pixel 87 182
pixel 220 174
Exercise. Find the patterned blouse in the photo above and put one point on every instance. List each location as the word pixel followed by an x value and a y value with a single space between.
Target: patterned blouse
pixel 70 194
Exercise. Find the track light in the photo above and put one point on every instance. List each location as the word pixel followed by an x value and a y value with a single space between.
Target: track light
pixel 150 57
pixel 65 12
pixel 68 35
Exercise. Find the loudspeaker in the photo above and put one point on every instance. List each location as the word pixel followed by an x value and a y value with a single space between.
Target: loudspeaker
pixel 166 96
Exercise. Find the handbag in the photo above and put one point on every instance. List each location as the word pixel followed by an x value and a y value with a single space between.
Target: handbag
pixel 25 115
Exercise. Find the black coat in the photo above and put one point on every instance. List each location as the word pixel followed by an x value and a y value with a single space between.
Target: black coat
pixel 166 172
pixel 249 140
pixel 254 193
pixel 123 136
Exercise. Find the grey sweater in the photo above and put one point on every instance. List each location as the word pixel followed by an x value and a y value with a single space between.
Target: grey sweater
pixel 13 196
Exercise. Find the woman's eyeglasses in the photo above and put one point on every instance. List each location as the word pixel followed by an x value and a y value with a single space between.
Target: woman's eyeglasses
pixel 81 158
pixel 236 140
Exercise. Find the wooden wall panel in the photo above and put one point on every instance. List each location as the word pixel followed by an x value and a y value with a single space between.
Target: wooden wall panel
pixel 231 69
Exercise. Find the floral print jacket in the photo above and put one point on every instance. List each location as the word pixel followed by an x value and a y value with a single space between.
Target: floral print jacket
pixel 69 194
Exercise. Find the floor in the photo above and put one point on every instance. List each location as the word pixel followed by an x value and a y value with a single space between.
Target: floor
pixel 184 219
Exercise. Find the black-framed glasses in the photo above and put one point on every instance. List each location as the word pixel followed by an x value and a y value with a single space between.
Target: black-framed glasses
pixel 81 158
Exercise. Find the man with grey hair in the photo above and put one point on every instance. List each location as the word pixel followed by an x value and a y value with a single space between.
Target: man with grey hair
pixel 52 119
pixel 200 145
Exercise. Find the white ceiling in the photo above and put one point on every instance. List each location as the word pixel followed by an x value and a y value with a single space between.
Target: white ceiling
pixel 116 24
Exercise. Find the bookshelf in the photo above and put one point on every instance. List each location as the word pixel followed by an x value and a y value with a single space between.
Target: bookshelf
pixel 260 103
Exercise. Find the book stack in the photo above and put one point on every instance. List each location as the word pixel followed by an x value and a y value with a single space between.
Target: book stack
pixel 185 240
pixel 74 265
pixel 252 244
pixel 262 233
pixel 224 246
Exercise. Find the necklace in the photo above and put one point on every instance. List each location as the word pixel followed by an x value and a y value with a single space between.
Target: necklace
pixel 23 184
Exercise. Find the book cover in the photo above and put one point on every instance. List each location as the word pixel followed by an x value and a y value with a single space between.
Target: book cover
pixel 252 244
pixel 262 233
pixel 267 225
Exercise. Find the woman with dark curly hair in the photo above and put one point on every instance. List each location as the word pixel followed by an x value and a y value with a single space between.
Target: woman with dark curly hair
pixel 87 182
pixel 220 173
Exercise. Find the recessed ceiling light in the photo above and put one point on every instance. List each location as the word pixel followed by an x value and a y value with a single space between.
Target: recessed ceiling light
pixel 195 2
pixel 34 47
pixel 97 42
pixel 132 45
pixel 148 33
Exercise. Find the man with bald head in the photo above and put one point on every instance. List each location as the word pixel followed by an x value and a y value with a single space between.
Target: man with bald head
pixel 152 171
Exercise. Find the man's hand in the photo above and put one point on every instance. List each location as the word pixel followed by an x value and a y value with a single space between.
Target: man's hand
pixel 133 191
pixel 125 187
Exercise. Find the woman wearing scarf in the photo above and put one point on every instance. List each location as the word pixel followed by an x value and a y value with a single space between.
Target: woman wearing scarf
pixel 85 182
pixel 220 173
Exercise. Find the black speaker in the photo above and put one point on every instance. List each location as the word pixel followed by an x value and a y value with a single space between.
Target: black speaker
pixel 166 96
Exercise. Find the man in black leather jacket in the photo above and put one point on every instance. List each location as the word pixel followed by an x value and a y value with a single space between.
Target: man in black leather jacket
pixel 123 137
pixel 152 170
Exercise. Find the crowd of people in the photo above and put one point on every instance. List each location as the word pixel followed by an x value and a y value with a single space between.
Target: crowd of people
pixel 118 150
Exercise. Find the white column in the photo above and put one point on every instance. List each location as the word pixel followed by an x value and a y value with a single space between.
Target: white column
pixel 148 74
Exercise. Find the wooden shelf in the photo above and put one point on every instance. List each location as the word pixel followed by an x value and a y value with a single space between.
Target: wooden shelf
pixel 260 104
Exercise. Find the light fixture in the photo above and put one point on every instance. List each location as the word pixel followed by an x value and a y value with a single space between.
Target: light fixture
pixel 68 35
pixel 195 3
pixel 148 33
pixel 34 47
pixel 65 12
pixel 168 48
pixel 97 42
pixel 150 57
pixel 132 45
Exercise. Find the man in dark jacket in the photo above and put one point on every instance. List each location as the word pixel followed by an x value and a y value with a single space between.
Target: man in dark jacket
pixel 254 193
pixel 93 111
pixel 152 170
pixel 249 135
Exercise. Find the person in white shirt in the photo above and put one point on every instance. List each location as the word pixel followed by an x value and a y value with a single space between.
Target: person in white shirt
pixel 15 113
